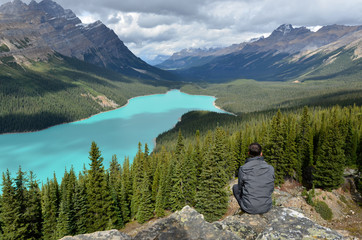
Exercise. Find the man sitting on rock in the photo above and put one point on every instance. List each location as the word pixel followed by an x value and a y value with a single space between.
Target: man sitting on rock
pixel 255 184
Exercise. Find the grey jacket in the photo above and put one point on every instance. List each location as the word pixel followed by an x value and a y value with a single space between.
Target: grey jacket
pixel 256 185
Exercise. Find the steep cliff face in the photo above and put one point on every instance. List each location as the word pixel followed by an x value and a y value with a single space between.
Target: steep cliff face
pixel 188 224
pixel 33 31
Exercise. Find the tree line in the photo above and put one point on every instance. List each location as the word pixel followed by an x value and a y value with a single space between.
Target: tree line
pixel 312 146
pixel 45 94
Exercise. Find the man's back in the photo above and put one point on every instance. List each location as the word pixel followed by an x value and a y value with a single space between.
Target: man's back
pixel 256 185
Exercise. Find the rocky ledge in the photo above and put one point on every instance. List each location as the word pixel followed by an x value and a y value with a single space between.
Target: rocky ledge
pixel 188 224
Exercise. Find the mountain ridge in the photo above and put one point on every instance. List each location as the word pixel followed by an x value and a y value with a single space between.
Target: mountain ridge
pixel 35 30
pixel 288 53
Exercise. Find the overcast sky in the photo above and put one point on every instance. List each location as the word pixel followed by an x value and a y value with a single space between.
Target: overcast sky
pixel 155 27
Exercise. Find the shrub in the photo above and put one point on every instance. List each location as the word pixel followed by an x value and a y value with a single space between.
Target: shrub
pixel 358 182
pixel 343 199
pixel 4 48
pixel 323 210
pixel 309 196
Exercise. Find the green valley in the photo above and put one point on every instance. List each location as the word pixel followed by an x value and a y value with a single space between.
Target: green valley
pixel 241 96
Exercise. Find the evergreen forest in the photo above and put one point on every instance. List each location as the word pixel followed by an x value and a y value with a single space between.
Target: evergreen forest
pixel 61 90
pixel 190 166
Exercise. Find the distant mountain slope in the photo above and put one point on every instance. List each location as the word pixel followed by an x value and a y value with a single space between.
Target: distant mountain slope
pixel 187 58
pixel 54 69
pixel 62 89
pixel 36 30
pixel 288 53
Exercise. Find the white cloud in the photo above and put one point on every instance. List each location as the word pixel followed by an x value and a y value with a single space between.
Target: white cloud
pixel 314 28
pixel 156 27
pixel 86 17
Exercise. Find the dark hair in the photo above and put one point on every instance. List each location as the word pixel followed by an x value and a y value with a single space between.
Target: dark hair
pixel 254 149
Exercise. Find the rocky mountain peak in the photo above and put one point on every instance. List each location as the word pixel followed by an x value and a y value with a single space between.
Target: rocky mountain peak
pixel 288 31
pixel 49 7
pixel 34 31
pixel 14 7
pixel 52 9
pixel 17 2
pixel 285 28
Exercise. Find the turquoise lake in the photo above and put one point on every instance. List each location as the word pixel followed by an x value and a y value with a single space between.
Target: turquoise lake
pixel 115 132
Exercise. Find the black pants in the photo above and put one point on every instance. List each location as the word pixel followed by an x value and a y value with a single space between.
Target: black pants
pixel 237 194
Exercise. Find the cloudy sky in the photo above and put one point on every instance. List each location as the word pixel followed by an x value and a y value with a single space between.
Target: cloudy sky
pixel 155 27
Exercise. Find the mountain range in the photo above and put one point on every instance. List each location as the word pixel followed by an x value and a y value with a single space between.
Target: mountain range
pixel 50 60
pixel 55 69
pixel 288 53
pixel 35 31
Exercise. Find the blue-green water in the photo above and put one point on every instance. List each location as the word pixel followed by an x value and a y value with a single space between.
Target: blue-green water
pixel 115 132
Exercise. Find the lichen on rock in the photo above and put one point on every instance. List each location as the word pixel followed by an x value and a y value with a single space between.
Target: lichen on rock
pixel 188 224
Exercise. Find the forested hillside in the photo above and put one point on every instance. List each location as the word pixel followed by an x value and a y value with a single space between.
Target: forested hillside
pixel 55 69
pixel 62 89
pixel 35 30
pixel 312 146
pixel 247 95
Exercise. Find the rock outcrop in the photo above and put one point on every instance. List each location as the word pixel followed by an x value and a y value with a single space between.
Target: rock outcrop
pixel 105 235
pixel 188 224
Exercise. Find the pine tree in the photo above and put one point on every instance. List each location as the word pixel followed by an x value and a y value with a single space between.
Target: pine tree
pixel 220 152
pixel 8 210
pixel 359 163
pixel 149 168
pixel 66 223
pixel 161 185
pixel 159 205
pixel 177 195
pixel 320 137
pixel 328 173
pixel 113 184
pixel 190 177
pixel 145 209
pixel 350 144
pixel 238 152
pixel 212 197
pixel 275 148
pixel 156 178
pixel 164 189
pixel 50 208
pixel 137 179
pixel 99 199
pixel 33 214
pixel 290 157
pixel 114 173
pixel 115 213
pixel 180 146
pixel 198 155
pixel 1 224
pixel 126 191
pixel 169 185
pixel 305 143
pixel 81 206
pixel 20 206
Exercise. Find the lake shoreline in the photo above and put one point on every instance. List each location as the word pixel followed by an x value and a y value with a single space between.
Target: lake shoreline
pixel 82 119
pixel 116 132
pixel 128 100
